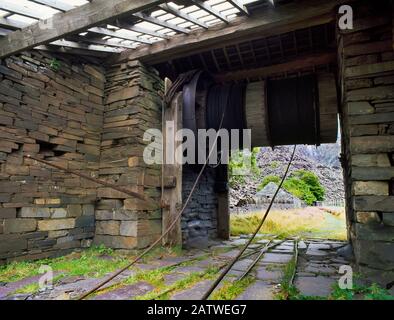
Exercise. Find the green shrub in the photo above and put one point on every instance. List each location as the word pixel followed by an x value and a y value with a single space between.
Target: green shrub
pixel 303 184
pixel 313 183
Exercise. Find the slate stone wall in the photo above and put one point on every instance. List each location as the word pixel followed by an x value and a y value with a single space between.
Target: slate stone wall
pixel 367 84
pixel 132 106
pixel 199 221
pixel 50 107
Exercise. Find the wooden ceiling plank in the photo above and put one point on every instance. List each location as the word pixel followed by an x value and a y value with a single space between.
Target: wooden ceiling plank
pixel 74 51
pixel 308 61
pixel 55 4
pixel 22 10
pixel 161 23
pixel 132 27
pixel 237 4
pixel 212 11
pixel 79 45
pixel 76 20
pixel 267 22
pixel 178 13
pixel 11 24
pixel 100 41
pixel 121 34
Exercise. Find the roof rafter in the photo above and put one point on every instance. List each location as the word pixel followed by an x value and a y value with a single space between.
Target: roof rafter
pixel 239 6
pixel 55 4
pixel 132 27
pixel 77 45
pixel 98 40
pixel 178 13
pixel 296 64
pixel 205 6
pixel 11 24
pixel 162 23
pixel 16 8
pixel 75 20
pixel 121 34
pixel 267 22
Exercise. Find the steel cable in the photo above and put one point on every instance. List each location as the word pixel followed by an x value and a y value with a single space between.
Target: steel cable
pixel 231 264
pixel 171 226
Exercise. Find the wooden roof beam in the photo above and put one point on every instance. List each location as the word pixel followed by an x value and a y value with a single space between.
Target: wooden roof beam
pixel 132 27
pixel 98 54
pixel 11 24
pixel 237 4
pixel 161 23
pixel 263 23
pixel 98 40
pixel 178 13
pixel 121 34
pixel 294 65
pixel 212 11
pixel 76 20
pixel 84 46
pixel 22 10
pixel 55 4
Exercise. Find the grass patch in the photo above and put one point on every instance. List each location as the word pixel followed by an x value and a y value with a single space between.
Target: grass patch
pixel 164 292
pixel 372 292
pixel 304 223
pixel 287 289
pixel 94 262
pixel 34 287
pixel 231 290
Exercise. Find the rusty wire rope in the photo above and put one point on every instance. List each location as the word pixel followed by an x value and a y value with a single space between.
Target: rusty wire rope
pixel 95 180
pixel 231 264
pixel 170 227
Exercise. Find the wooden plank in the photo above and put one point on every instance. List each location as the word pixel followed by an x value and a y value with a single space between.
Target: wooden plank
pixel 77 45
pixel 170 9
pixel 297 64
pixel 172 197
pixel 237 4
pixel 82 52
pixel 212 11
pixel 13 7
pixel 162 23
pixel 132 27
pixel 4 32
pixel 223 215
pixel 87 39
pixel 55 4
pixel 268 22
pixel 73 21
pixel 12 24
pixel 121 34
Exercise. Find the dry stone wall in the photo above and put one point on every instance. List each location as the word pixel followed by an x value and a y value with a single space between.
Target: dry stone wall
pixel 367 83
pixel 50 107
pixel 132 106
pixel 199 220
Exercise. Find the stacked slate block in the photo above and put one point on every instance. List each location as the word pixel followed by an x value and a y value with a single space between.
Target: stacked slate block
pixel 132 105
pixel 50 107
pixel 367 83
pixel 199 220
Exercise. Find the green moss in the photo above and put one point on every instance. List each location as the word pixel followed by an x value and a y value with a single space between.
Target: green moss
pixel 93 262
pixel 231 290
pixel 164 292
pixel 287 289
pixel 303 184
pixel 372 292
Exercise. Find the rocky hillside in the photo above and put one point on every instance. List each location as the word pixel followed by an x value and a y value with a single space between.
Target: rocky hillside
pixel 323 161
